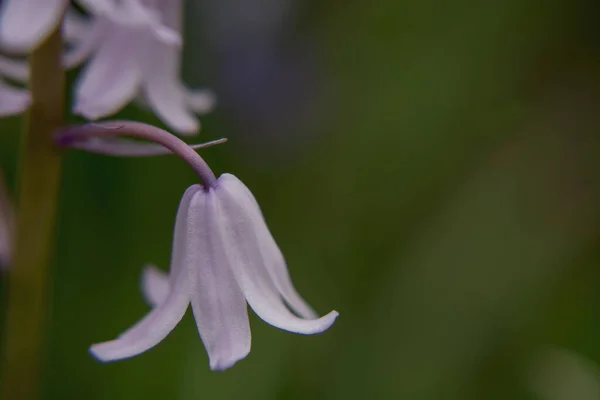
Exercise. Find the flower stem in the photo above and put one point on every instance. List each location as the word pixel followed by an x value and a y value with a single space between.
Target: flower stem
pixel 69 135
pixel 28 281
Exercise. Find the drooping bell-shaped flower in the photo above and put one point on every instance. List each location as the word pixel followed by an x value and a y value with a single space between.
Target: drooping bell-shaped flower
pixel 223 256
pixel 128 61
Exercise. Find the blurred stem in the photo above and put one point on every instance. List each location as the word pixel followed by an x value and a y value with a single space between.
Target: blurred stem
pixel 38 191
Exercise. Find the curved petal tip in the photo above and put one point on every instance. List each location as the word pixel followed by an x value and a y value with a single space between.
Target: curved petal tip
pixel 221 364
pixel 325 322
pixel 106 351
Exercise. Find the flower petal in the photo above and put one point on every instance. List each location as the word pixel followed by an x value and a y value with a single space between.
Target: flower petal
pixel 157 324
pixel 98 7
pixel 201 101
pixel 155 285
pixel 181 230
pixel 164 93
pixel 112 77
pixel 152 329
pixel 243 252
pixel 25 23
pixel 167 27
pixel 14 69
pixel 88 40
pixel 180 240
pixel 12 100
pixel 74 25
pixel 273 258
pixel 217 302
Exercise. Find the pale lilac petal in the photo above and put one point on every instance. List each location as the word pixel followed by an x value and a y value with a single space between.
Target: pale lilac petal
pixel 164 93
pixel 180 232
pixel 14 69
pixel 25 23
pixel 111 79
pixel 200 101
pixel 118 147
pixel 75 25
pixel 86 42
pixel 171 12
pixel 180 247
pixel 134 14
pixel 153 328
pixel 12 100
pixel 167 101
pixel 243 251
pixel 272 256
pixel 217 302
pixel 156 325
pixel 98 7
pixel 163 90
pixel 155 285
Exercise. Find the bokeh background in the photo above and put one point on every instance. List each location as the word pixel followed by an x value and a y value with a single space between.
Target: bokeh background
pixel 430 169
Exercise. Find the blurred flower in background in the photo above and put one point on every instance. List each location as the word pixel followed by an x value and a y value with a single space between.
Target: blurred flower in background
pixel 128 61
pixel 131 49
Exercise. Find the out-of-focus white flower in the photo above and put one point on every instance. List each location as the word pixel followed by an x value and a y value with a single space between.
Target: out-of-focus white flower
pixel 223 256
pixel 132 49
pixel 131 61
pixel 25 23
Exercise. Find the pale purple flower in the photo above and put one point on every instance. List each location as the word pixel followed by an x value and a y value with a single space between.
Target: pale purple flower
pixel 24 24
pixel 132 61
pixel 131 50
pixel 223 256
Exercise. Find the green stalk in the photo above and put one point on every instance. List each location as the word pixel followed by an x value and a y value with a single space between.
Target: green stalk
pixel 28 281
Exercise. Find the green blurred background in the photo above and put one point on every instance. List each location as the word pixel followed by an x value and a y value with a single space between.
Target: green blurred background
pixel 430 169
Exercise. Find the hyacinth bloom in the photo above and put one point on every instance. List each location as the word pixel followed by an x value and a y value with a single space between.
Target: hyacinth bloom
pixel 131 50
pixel 223 256
pixel 133 61
pixel 24 24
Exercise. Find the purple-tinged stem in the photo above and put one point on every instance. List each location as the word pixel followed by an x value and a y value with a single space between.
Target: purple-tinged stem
pixel 67 135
